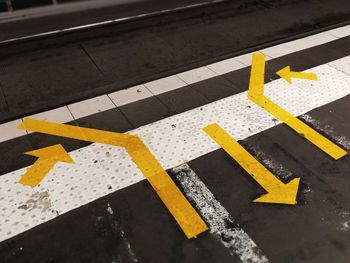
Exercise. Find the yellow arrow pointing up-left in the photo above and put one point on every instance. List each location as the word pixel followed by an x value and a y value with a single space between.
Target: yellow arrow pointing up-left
pixel 48 157
pixel 287 74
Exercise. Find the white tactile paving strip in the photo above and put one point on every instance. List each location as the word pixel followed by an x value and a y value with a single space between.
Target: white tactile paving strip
pixel 132 94
pixel 102 169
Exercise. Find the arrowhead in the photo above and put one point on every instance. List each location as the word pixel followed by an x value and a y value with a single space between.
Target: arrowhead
pixel 285 74
pixel 283 194
pixel 55 152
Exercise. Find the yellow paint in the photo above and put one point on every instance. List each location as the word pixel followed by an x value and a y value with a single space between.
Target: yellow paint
pixel 256 94
pixel 277 191
pixel 48 157
pixel 287 74
pixel 185 215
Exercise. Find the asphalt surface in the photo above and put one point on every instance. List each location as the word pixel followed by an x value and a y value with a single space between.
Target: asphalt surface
pixel 309 232
pixel 132 224
pixel 45 73
pixel 152 109
pixel 50 18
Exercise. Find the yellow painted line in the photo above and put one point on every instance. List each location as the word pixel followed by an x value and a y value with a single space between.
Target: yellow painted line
pixel 287 74
pixel 47 158
pixel 256 94
pixel 185 215
pixel 277 191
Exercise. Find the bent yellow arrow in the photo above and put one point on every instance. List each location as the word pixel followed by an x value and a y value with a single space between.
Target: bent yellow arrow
pixel 183 212
pixel 48 157
pixel 287 74
pixel 277 191
pixel 256 94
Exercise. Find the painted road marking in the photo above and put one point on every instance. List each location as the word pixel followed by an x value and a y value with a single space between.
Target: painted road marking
pixel 128 95
pixel 48 157
pixel 287 75
pixel 256 94
pixel 221 223
pixel 171 140
pixel 277 191
pixel 185 215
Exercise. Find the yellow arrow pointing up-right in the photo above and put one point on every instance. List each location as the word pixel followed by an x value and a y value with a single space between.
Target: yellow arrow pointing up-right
pixel 47 158
pixel 287 74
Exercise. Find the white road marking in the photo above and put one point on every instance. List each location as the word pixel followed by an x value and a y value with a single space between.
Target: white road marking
pixel 220 222
pixel 163 85
pixel 103 169
pixel 342 64
pixel 91 106
pixel 9 130
pixel 130 95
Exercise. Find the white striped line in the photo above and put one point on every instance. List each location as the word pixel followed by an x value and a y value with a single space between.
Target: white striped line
pixel 156 87
pixel 91 106
pixel 220 222
pixel 102 169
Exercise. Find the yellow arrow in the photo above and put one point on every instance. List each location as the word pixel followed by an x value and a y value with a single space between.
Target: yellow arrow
pixel 256 94
pixel 186 216
pixel 287 74
pixel 277 191
pixel 48 157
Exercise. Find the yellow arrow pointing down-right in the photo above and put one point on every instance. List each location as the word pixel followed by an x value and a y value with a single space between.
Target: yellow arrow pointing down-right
pixel 287 74
pixel 277 191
